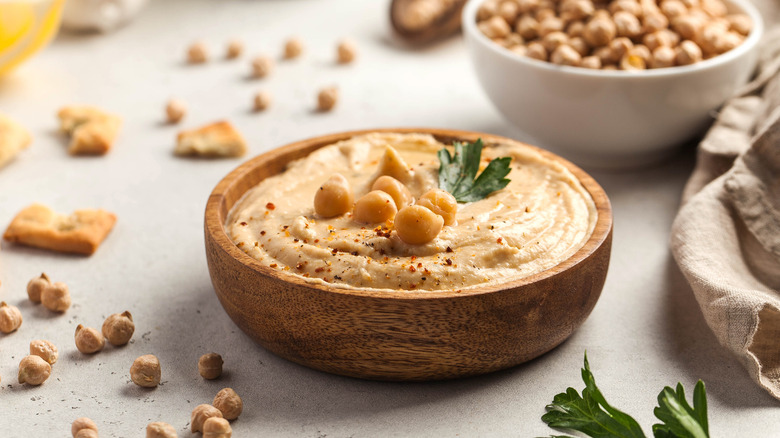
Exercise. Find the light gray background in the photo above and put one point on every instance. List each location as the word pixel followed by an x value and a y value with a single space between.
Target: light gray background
pixel 645 332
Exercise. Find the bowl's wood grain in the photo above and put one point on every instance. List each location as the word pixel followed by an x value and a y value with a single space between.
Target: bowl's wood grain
pixel 405 335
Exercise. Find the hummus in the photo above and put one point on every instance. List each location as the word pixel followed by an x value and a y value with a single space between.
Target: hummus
pixel 541 218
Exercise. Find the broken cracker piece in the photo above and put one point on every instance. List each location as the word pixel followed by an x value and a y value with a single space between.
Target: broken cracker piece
pixel 92 130
pixel 13 138
pixel 219 139
pixel 80 233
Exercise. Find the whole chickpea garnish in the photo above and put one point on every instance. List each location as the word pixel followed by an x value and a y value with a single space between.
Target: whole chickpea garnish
pixel 145 371
pixel 175 110
pixel 36 286
pixel 215 427
pixel 396 189
pixel 197 53
pixel 200 414
pixel 159 429
pixel 86 433
pixel 89 340
pixel 262 100
pixel 118 328
pixel 210 366
pixel 33 370
pixel 327 98
pixel 346 51
pixel 262 66
pixel 56 297
pixel 82 423
pixel 45 350
pixel 293 48
pixel 234 49
pixel 334 197
pixel 417 225
pixel 374 207
pixel 442 203
pixel 10 318
pixel 229 403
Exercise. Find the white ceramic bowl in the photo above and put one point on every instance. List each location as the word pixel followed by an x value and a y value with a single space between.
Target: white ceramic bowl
pixel 609 119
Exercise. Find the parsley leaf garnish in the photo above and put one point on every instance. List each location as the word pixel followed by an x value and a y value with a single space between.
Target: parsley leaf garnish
pixel 592 415
pixel 458 172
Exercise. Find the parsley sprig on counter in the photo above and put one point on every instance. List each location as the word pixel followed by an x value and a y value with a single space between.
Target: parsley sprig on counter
pixel 590 413
pixel 458 172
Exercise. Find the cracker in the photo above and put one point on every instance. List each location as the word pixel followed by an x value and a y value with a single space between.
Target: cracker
pixel 13 138
pixel 219 139
pixel 80 233
pixel 92 130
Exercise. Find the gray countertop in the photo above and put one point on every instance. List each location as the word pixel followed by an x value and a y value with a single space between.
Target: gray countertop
pixel 646 331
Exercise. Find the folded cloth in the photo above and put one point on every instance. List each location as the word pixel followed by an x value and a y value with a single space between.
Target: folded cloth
pixel 726 236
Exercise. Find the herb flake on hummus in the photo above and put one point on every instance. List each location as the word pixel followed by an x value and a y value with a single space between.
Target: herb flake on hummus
pixel 458 172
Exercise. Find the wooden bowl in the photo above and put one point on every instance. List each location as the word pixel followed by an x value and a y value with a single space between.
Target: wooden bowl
pixel 407 335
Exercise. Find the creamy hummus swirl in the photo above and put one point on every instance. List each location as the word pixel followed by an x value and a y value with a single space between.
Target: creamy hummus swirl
pixel 541 218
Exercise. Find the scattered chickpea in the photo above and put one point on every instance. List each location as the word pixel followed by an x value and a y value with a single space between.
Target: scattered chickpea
pixel 346 51
pixel 262 100
pixel 33 370
pixel 36 286
pixel 442 203
pixel 200 414
pixel 86 433
pixel 215 427
pixel 82 423
pixel 175 110
pixel 118 328
pixel 229 403
pixel 374 207
pixel 262 66
pixel 145 371
pixel 197 53
pixel 56 297
pixel 396 189
pixel 210 366
pixel 327 98
pixel 234 49
pixel 89 340
pixel 45 350
pixel 159 429
pixel 334 197
pixel 293 48
pixel 417 225
pixel 10 318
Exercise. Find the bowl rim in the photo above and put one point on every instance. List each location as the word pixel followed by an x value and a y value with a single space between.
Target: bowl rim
pixel 469 20
pixel 215 227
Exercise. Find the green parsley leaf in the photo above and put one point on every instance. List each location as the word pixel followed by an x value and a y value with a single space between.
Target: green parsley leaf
pixel 680 420
pixel 458 172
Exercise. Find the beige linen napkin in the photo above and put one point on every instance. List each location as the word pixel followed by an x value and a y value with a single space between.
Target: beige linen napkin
pixel 726 237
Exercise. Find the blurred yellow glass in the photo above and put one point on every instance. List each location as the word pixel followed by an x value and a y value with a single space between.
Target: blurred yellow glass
pixel 26 26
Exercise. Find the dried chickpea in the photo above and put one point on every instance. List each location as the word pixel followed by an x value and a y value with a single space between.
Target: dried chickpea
pixel 200 414
pixel 592 62
pixel 36 286
pixel 346 51
pixel 159 429
pixel 565 55
pixel 234 49
pixel 396 189
pixel 417 225
pixel 519 49
pixel 655 22
pixel 536 51
pixel 688 53
pixel 262 100
pixel 553 40
pixel 215 427
pixel 334 197
pixel 575 29
pixel 33 370
pixel 293 48
pixel 210 366
pixel 487 10
pixel 579 44
pixel 626 24
pixel 86 433
pixel 56 297
pixel 175 110
pixel 118 328
pixel 599 31
pixel 673 8
pixel 740 23
pixel 442 203
pixel 262 66
pixel 229 403
pixel 146 371
pixel 544 13
pixel 632 61
pixel 81 424
pixel 89 340
pixel 10 318
pixel 687 26
pixel 657 39
pixel 509 11
pixel 374 207
pixel 197 53
pixel 495 27
pixel 513 40
pixel 527 27
pixel 45 350
pixel 714 8
pixel 620 46
pixel 577 9
pixel 605 55
pixel 641 51
pixel 550 25
pixel 527 5
pixel 327 98
pixel 663 56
